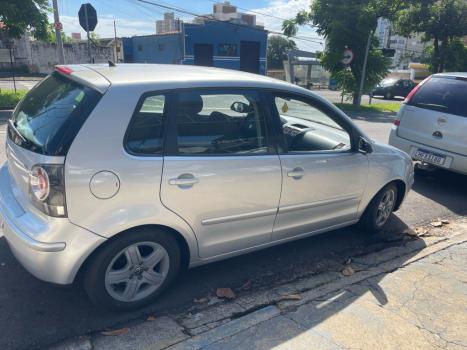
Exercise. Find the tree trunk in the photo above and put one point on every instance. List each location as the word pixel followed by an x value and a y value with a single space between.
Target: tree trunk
pixel 442 55
pixel 435 55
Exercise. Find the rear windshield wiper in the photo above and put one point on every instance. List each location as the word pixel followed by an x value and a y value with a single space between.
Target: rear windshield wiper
pixel 432 105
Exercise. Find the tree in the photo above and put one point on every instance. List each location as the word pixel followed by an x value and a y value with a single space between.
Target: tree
pixel 440 21
pixel 19 16
pixel 349 24
pixel 456 57
pixel 51 36
pixel 278 47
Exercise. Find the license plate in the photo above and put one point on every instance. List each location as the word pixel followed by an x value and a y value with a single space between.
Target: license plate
pixel 429 157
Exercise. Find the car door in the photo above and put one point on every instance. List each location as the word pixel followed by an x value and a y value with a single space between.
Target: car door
pixel 221 174
pixel 324 177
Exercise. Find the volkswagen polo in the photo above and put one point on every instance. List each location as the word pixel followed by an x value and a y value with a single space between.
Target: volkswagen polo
pixel 126 174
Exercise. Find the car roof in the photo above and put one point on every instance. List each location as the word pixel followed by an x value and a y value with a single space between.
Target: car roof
pixel 451 74
pixel 135 73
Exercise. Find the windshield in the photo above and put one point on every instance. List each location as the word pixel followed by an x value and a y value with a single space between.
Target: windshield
pixel 50 115
pixel 388 82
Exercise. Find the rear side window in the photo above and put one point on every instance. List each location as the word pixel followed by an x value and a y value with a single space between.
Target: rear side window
pixel 48 118
pixel 447 95
pixel 144 135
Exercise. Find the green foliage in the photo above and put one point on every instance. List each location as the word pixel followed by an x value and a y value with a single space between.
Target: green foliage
pixel 9 98
pixel 440 21
pixel 21 15
pixel 51 35
pixel 456 57
pixel 278 47
pixel 348 24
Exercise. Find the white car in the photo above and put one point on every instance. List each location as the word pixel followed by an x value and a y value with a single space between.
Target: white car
pixel 432 123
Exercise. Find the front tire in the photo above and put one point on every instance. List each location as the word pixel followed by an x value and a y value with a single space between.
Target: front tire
pixel 132 270
pixel 380 208
pixel 388 96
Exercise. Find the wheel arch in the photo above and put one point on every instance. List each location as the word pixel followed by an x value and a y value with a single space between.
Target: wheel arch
pixel 183 244
pixel 401 189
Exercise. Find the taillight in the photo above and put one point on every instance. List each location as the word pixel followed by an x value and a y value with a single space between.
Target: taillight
pixel 397 122
pixel 415 89
pixel 39 182
pixel 47 189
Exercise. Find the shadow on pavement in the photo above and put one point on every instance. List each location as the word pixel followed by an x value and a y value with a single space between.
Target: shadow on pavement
pixel 374 117
pixel 34 314
pixel 444 187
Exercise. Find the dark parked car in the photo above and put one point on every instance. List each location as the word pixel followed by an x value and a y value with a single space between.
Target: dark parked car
pixel 390 88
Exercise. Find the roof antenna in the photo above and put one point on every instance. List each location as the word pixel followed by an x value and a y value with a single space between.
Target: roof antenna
pixel 111 64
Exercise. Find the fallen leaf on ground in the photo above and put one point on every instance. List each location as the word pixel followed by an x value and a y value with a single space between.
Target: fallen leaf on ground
pixel 115 332
pixel 291 297
pixel 246 285
pixel 226 293
pixel 436 224
pixel 151 318
pixel 348 271
pixel 201 300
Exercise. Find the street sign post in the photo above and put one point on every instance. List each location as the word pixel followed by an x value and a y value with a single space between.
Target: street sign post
pixel 347 58
pixel 88 20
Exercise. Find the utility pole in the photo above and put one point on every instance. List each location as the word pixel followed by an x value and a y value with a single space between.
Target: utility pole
pixel 115 41
pixel 365 60
pixel 87 33
pixel 58 33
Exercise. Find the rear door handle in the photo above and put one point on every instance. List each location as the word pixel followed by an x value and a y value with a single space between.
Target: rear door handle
pixel 296 173
pixel 184 180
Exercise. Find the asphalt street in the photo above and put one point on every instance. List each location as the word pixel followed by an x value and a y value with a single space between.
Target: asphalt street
pixel 34 314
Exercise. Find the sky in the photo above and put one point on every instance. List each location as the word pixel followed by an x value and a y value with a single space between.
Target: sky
pixel 135 18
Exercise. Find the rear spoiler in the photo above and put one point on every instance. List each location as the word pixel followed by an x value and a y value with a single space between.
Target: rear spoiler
pixel 85 76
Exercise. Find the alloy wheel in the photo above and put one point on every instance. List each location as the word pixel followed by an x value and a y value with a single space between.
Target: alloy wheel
pixel 137 271
pixel 385 207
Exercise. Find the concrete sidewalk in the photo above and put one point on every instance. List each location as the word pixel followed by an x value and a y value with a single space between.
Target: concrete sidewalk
pixel 410 297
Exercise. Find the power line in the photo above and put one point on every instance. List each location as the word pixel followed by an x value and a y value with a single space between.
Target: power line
pixel 209 18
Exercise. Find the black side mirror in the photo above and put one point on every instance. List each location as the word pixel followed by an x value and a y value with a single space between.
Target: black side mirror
pixel 364 145
pixel 240 107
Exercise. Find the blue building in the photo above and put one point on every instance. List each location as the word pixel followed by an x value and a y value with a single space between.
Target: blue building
pixel 212 43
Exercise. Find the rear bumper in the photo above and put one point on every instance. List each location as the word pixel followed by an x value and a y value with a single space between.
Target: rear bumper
pixel 52 249
pixel 454 162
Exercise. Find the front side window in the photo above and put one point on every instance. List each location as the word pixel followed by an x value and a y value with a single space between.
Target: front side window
pixel 144 135
pixel 308 129
pixel 226 123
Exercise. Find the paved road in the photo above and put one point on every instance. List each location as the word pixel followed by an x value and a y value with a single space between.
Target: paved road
pixel 27 83
pixel 34 314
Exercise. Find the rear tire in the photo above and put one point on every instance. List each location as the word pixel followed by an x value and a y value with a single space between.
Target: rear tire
pixel 132 270
pixel 388 96
pixel 378 211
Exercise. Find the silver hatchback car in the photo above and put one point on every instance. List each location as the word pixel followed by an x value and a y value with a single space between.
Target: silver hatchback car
pixel 127 174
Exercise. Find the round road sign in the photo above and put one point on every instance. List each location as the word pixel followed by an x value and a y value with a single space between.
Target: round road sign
pixel 347 57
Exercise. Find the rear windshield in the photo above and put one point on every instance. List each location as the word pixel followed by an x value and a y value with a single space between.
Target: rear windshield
pixel 48 118
pixel 447 95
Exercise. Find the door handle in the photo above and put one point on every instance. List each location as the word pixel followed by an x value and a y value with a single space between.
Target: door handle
pixel 184 180
pixel 296 173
